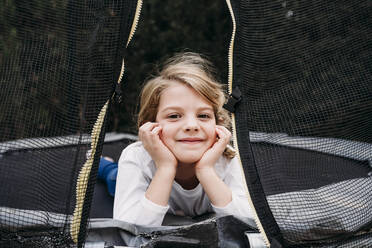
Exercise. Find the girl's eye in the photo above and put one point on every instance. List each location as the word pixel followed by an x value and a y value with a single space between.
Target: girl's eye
pixel 204 116
pixel 174 116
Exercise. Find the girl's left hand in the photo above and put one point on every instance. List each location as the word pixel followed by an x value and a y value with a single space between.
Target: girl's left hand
pixel 210 157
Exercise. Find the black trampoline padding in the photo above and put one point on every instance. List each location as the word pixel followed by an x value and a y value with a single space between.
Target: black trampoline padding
pixel 292 169
pixel 25 173
pixel 31 182
pixel 103 202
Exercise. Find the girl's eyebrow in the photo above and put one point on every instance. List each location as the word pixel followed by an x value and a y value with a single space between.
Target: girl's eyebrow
pixel 180 108
pixel 205 108
pixel 171 108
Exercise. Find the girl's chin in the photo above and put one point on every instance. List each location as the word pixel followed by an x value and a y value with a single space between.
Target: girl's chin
pixel 188 160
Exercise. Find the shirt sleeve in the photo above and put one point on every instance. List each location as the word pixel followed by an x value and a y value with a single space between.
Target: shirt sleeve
pixel 239 204
pixel 130 203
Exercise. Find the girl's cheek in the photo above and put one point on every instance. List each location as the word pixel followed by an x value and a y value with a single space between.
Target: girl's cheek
pixel 212 129
pixel 164 132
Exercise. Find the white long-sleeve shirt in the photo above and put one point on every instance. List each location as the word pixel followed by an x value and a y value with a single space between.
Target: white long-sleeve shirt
pixel 136 169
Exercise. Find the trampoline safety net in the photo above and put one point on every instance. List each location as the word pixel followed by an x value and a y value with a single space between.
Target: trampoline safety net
pixel 304 121
pixel 303 124
pixel 59 64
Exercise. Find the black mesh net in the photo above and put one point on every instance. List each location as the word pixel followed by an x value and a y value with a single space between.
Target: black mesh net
pixel 304 71
pixel 59 64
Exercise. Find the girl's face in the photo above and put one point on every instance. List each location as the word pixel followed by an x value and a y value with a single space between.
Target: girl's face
pixel 188 123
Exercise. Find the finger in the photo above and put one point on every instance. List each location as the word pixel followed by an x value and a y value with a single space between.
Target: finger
pixel 220 132
pixel 224 137
pixel 225 131
pixel 155 136
pixel 148 126
pixel 145 129
pixel 160 133
pixel 156 130
pixel 142 130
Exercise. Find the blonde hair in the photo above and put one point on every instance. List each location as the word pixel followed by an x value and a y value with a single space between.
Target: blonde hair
pixel 193 71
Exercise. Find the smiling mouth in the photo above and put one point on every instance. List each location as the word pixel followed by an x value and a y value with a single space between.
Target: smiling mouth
pixel 190 141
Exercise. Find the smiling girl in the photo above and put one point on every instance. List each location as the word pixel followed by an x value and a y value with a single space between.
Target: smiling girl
pixel 182 163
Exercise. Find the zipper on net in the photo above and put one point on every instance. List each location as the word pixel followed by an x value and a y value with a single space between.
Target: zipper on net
pixel 234 134
pixel 82 181
pixel 131 34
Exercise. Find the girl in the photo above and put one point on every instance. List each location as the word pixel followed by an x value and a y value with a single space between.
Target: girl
pixel 182 163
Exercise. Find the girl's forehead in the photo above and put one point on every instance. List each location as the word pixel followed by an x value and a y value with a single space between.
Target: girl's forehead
pixel 180 95
pixel 178 90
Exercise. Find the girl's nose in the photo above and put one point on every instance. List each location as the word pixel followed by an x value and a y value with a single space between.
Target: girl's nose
pixel 191 125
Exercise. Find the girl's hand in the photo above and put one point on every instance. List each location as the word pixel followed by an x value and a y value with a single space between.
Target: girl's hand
pixel 210 157
pixel 162 156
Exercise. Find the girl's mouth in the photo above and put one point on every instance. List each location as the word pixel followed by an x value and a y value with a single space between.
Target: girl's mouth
pixel 190 140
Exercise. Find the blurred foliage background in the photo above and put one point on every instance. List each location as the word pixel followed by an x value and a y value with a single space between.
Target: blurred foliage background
pixel 165 28
pixel 40 58
pixel 168 27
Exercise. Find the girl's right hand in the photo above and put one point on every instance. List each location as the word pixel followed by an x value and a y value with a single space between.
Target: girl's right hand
pixel 162 156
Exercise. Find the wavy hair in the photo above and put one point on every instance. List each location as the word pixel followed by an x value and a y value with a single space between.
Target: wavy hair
pixel 194 71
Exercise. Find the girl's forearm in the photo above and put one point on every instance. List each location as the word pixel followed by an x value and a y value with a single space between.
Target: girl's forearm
pixel 218 192
pixel 161 185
